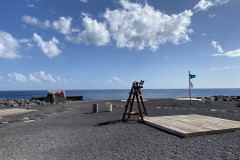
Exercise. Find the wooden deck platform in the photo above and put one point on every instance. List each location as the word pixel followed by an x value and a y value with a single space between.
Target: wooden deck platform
pixel 192 125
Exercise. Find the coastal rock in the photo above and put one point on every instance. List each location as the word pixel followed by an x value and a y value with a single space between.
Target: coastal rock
pixel 15 105
pixel 20 102
pixel 226 98
pixel 43 103
pixel 32 104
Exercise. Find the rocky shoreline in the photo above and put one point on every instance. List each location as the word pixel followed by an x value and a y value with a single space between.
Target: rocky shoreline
pixel 21 102
pixel 226 98
pixel 34 102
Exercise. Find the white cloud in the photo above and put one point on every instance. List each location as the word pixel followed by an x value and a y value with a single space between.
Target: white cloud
pixel 205 4
pixel 30 45
pixel 65 80
pixel 8 46
pixel 84 1
pixel 1 78
pixel 24 40
pixel 35 22
pixel 17 77
pixel 204 34
pixel 95 32
pixel 220 68
pixel 224 68
pixel 52 11
pixel 31 6
pixel 139 26
pixel 41 76
pixel 27 41
pixel 32 78
pixel 217 46
pixel 115 79
pixel 211 15
pixel 49 48
pixel 232 54
pixel 63 25
pixel 220 2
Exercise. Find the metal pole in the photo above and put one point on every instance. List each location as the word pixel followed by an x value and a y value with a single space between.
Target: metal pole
pixel 189 86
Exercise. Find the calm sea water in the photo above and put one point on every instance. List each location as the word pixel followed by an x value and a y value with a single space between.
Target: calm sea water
pixel 122 93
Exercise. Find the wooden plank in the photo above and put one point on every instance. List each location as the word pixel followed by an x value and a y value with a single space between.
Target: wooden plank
pixel 190 125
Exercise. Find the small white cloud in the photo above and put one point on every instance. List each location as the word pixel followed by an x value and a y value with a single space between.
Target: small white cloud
pixel 75 30
pixel 32 78
pixel 27 41
pixel 204 34
pixel 58 79
pixel 203 5
pixel 41 76
pixel 49 48
pixel 115 79
pixel 65 80
pixel 141 26
pixel 8 46
pixel 52 11
pixel 84 1
pixel 31 6
pixel 211 15
pixel 232 54
pixel 1 78
pixel 224 68
pixel 63 25
pixel 17 77
pixel 95 32
pixel 220 2
pixel 35 22
pixel 30 45
pixel 206 4
pixel 221 68
pixel 24 40
pixel 217 46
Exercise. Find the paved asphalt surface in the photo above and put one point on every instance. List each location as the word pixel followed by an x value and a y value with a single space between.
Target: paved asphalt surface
pixel 70 131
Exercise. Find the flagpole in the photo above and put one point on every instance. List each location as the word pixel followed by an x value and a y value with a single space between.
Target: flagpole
pixel 189 86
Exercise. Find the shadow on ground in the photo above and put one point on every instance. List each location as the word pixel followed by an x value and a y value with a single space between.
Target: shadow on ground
pixel 116 122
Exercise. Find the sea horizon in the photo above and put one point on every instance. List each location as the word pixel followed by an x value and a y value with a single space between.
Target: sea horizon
pixel 97 94
pixel 114 89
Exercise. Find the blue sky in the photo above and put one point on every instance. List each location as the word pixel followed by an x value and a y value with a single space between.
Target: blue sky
pixel 108 44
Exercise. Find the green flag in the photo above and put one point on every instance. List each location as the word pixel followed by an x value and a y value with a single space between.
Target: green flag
pixel 192 76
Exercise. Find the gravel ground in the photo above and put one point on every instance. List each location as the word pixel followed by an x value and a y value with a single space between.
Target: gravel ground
pixel 72 131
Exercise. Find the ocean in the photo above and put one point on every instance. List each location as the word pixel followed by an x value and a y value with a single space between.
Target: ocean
pixel 122 93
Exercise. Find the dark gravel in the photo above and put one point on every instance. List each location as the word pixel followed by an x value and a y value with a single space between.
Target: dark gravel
pixel 72 131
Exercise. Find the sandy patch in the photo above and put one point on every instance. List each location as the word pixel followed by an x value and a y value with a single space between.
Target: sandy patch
pixel 187 99
pixel 13 111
